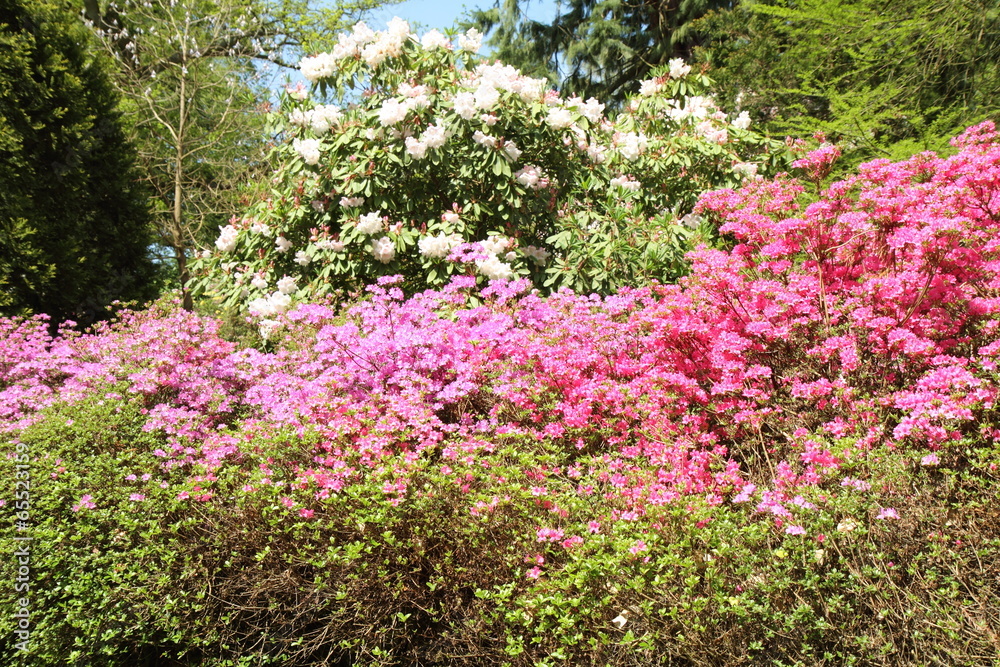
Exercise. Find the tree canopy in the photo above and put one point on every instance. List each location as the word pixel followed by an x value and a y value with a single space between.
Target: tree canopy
pixel 595 47
pixel 884 78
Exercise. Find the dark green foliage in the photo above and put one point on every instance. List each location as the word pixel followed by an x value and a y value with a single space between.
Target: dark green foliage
pixel 72 223
pixel 881 78
pixel 598 48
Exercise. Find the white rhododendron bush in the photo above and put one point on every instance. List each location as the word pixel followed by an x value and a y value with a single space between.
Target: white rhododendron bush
pixel 413 156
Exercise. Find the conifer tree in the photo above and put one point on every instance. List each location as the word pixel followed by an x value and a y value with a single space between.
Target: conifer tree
pixel 73 223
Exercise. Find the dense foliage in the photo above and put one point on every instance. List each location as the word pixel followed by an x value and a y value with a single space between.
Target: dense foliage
pixel 882 78
pixel 789 458
pixel 73 231
pixel 443 164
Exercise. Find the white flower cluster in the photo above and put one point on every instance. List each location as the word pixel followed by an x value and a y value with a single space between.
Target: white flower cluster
pixel 491 267
pixel 626 182
pixel 351 202
pixel 384 250
pixel 434 40
pixel 286 285
pixel 631 144
pixel 387 44
pixel 282 244
pixel 712 133
pixel 696 107
pixel 393 111
pixel 434 136
pixel 538 255
pixel 487 81
pixel 261 228
pixel 438 246
pixel 227 238
pixel 650 87
pixel 471 41
pixel 487 140
pixel 531 177
pixel 318 67
pixel 742 122
pixel 271 305
pixel 745 169
pixel 559 118
pixel 371 223
pixel 511 151
pixel 592 110
pixel 308 150
pixel 330 244
pixel 319 119
pixel 678 68
pixel 268 327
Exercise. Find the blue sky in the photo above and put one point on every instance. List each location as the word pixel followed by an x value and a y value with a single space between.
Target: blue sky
pixel 443 14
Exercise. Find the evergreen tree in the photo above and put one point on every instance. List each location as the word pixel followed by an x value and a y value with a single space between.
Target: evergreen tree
pixel 73 224
pixel 884 78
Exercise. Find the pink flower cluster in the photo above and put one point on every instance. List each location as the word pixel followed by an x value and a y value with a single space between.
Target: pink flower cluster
pixel 868 315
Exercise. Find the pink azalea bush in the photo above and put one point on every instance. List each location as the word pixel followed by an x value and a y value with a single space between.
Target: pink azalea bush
pixel 791 456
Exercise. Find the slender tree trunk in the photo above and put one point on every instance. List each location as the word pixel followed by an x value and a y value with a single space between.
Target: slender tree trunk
pixel 180 242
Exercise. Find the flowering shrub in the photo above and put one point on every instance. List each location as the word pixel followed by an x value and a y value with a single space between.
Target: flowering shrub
pixel 789 457
pixel 435 163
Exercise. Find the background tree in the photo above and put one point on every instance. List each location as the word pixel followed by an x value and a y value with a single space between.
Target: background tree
pixel 884 78
pixel 190 71
pixel 595 47
pixel 73 226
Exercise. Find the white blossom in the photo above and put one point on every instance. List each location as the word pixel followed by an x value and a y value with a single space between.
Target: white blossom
pixel 471 41
pixel 511 150
pixel 435 40
pixel 416 149
pixel 632 145
pixel 434 136
pixel 494 269
pixel 286 285
pixel 318 67
pixel 271 305
pixel 487 95
pixel 259 282
pixel 745 169
pixel 559 118
pixel 282 244
pixel 351 202
pixel 228 236
pixel 392 112
pixel 650 87
pixel 465 105
pixel 495 245
pixel 626 182
pixel 371 223
pixel 301 258
pixel 267 328
pixel 439 246
pixel 538 255
pixel 742 122
pixel 678 69
pixel 484 139
pixel 308 150
pixel 384 250
pixel 530 176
